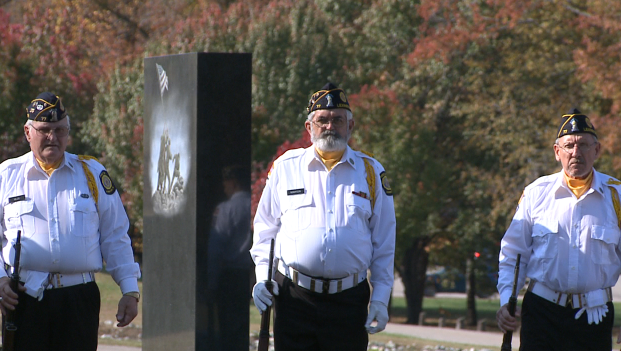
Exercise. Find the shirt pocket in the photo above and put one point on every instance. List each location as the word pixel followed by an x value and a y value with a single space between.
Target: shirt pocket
pixel 84 217
pixel 545 239
pixel 358 212
pixel 20 216
pixel 604 241
pixel 297 213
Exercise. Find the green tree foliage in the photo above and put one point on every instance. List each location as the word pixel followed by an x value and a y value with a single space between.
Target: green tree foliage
pixel 115 131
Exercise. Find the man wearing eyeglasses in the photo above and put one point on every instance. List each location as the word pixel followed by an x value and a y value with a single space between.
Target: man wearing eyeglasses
pixel 70 217
pixel 330 210
pixel 566 228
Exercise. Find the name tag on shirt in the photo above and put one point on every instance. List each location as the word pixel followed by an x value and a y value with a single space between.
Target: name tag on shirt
pixel 17 198
pixel 295 191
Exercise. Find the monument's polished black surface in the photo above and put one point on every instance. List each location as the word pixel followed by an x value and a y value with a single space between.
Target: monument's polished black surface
pixel 197 121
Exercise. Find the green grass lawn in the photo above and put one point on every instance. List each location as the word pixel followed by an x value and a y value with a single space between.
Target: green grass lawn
pixel 450 309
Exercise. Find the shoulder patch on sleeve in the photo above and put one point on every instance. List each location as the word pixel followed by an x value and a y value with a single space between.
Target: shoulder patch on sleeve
pixel 107 183
pixel 385 183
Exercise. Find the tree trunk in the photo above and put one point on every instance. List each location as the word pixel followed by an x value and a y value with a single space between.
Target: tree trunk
pixel 413 272
pixel 471 308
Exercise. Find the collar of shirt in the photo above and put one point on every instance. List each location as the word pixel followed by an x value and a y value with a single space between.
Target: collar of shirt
pixel 313 160
pixel 33 165
pixel 598 184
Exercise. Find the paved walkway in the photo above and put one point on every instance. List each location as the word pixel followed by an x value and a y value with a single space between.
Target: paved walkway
pixel 116 348
pixel 469 337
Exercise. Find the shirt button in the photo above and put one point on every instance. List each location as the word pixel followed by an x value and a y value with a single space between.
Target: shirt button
pixel 330 211
pixel 329 191
pixel 573 268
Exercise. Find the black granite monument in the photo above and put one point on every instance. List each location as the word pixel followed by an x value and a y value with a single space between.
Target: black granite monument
pixel 196 289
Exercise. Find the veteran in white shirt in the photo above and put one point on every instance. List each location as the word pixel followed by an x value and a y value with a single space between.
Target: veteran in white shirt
pixel 566 228
pixel 71 219
pixel 331 212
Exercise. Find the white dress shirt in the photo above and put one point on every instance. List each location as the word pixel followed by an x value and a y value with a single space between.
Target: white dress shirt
pixel 322 225
pixel 571 245
pixel 63 231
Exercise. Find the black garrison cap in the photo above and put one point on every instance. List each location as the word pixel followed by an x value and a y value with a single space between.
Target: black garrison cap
pixel 575 122
pixel 47 107
pixel 329 97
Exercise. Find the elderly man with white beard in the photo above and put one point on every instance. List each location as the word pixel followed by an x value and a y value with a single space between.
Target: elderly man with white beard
pixel 331 212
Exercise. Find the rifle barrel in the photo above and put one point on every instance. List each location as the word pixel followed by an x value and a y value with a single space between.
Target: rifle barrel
pixel 508 336
pixel 264 333
pixel 10 328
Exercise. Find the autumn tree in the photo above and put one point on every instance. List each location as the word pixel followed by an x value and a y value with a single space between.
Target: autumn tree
pixel 517 76
pixel 15 85
pixel 115 131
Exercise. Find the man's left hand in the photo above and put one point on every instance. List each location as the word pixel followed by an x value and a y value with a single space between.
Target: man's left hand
pixel 128 310
pixel 378 312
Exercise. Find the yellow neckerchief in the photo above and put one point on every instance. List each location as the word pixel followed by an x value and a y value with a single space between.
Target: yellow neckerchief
pixel 330 158
pixel 579 186
pixel 47 168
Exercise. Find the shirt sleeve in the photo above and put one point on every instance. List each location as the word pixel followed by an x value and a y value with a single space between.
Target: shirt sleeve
pixel 517 240
pixel 383 234
pixel 266 226
pixel 114 240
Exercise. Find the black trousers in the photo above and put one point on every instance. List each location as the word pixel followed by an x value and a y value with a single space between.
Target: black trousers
pixel 548 326
pixel 309 321
pixel 66 319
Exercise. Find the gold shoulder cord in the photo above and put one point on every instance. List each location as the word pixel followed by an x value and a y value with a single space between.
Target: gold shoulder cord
pixel 370 178
pixel 616 204
pixel 90 179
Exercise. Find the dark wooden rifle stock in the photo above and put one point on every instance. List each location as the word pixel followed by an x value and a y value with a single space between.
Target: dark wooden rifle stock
pixel 264 333
pixel 9 327
pixel 506 339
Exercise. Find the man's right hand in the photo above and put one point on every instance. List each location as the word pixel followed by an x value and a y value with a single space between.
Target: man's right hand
pixel 505 321
pixel 7 295
pixel 262 297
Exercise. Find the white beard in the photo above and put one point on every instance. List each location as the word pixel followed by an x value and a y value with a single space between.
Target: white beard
pixel 330 142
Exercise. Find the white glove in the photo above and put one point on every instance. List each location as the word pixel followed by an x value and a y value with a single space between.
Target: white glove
pixel 262 298
pixel 594 314
pixel 379 312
